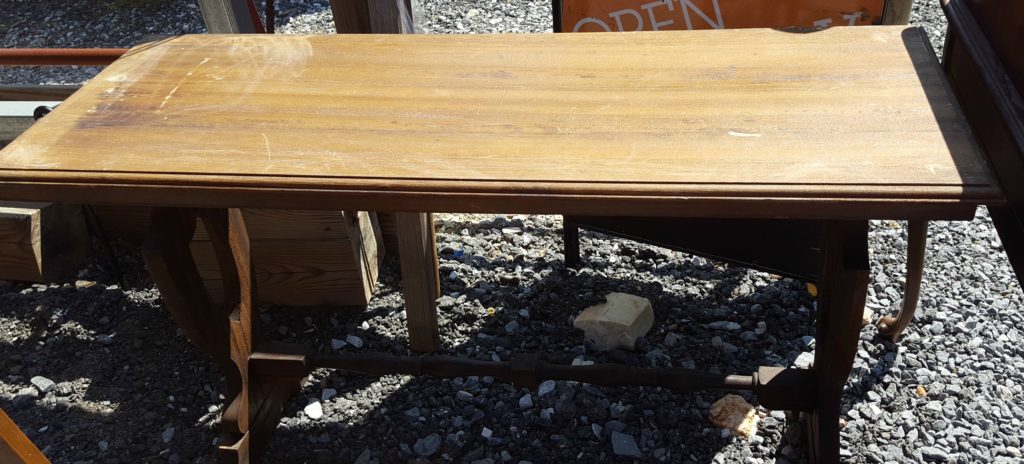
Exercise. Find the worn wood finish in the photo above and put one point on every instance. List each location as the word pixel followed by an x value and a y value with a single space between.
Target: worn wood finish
pixel 15 447
pixel 41 242
pixel 765 122
pixel 420 282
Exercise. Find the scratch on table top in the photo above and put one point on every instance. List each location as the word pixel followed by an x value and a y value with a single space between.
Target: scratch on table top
pixel 266 142
pixel 175 89
pixel 744 134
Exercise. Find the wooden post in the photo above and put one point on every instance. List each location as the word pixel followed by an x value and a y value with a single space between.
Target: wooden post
pixel 897 11
pixel 420 282
pixel 227 16
pixel 372 17
pixel 844 285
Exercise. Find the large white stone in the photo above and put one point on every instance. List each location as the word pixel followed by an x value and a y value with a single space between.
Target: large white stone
pixel 617 322
pixel 736 414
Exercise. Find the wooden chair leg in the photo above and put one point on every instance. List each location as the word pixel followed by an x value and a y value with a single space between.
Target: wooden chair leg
pixel 917 243
pixel 571 241
pixel 841 299
pixel 420 283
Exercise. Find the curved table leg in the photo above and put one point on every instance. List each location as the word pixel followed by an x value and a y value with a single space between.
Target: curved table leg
pixel 844 286
pixel 917 242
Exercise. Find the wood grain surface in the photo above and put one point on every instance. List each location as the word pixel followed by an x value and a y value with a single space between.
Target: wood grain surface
pixel 845 122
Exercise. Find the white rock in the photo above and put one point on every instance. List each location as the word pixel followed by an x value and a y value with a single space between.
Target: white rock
pixel 618 322
pixel 327 394
pixel 546 387
pixel 43 384
pixel 314 410
pixel 526 401
pixel 804 361
pixel 337 344
pixel 486 433
pixel 103 445
pixel 734 413
pixel 354 341
pixel 869 317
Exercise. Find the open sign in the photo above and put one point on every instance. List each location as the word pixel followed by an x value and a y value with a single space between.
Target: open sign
pixel 647 15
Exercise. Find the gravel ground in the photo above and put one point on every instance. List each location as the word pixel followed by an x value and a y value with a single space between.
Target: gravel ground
pixel 128 388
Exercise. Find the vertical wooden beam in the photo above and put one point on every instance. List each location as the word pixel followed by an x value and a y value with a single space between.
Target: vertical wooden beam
pixel 15 447
pixel 844 286
pixel 571 242
pixel 227 16
pixel 350 16
pixel 372 17
pixel 420 282
pixel 897 11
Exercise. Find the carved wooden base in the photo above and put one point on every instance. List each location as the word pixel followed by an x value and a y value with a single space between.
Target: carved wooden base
pixel 261 376
pixel 225 332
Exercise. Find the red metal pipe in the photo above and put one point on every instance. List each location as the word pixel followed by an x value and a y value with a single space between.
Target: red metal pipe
pixel 59 56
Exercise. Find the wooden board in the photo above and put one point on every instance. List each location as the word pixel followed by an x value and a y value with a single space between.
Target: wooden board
pixel 15 447
pixel 749 123
pixel 303 258
pixel 41 242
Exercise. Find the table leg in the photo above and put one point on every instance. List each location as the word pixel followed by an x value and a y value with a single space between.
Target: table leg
pixel 225 332
pixel 421 285
pixel 917 244
pixel 570 242
pixel 840 310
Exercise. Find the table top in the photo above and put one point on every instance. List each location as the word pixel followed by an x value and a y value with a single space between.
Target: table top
pixel 848 122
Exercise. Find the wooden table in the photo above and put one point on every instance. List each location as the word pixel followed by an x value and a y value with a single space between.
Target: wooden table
pixel 832 128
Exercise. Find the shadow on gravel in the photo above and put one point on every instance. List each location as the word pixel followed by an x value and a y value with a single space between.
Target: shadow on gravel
pixel 118 367
pixel 476 419
pixel 117 398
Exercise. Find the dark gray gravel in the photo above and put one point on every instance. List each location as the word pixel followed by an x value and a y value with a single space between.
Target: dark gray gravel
pixel 126 387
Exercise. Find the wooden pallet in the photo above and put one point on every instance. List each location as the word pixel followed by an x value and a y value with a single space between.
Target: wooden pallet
pixel 301 258
pixel 41 242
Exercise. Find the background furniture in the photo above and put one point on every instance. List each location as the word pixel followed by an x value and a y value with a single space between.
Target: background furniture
pixel 778 247
pixel 984 65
